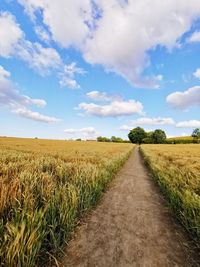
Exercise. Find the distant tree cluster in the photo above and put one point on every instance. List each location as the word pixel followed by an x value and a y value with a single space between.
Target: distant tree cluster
pixel 103 139
pixel 139 136
pixel 196 135
pixel 113 139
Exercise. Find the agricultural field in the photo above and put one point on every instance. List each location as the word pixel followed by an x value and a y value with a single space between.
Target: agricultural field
pixel 181 140
pixel 176 169
pixel 45 186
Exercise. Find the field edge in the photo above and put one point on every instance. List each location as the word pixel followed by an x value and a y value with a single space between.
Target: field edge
pixel 169 198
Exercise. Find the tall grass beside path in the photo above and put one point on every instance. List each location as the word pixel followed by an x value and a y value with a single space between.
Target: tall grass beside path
pixel 176 169
pixel 44 188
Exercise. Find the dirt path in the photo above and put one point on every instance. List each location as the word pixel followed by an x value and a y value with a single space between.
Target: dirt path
pixel 130 227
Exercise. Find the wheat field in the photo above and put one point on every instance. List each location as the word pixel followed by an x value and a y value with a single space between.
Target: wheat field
pixel 176 169
pixel 45 186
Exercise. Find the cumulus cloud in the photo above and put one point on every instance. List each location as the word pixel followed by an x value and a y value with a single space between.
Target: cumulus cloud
pixel 13 43
pixel 138 29
pixel 44 60
pixel 26 113
pixel 67 76
pixel 72 69
pixel 68 21
pixel 10 34
pixel 197 74
pixel 195 37
pixel 4 73
pixel 113 109
pixel 117 34
pixel 102 96
pixel 188 124
pixel 147 122
pixel 126 32
pixel 186 99
pixel 11 97
pixel 159 122
pixel 17 103
pixel 42 33
pixel 153 121
pixel 68 82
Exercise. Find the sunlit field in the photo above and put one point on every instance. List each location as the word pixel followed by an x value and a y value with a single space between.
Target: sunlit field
pixel 176 168
pixel 44 188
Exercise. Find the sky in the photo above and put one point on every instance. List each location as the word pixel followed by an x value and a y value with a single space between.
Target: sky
pixel 84 68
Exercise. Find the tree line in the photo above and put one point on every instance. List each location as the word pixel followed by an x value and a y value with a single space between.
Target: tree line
pixel 113 139
pixel 139 136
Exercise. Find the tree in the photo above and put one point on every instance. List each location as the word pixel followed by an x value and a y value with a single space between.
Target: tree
pixel 103 139
pixel 149 138
pixel 196 134
pixel 116 139
pixel 137 135
pixel 158 136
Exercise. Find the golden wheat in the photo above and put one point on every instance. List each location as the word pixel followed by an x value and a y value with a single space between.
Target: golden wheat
pixel 44 187
pixel 176 168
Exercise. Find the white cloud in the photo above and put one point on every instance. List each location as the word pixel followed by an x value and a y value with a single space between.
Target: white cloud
pixel 26 113
pixel 13 43
pixel 67 76
pixel 102 96
pixel 11 97
pixel 17 103
pixel 188 124
pixel 148 122
pixel 186 99
pixel 117 34
pixel 42 34
pixel 42 59
pixel 10 34
pixel 153 121
pixel 113 109
pixel 68 82
pixel 197 73
pixel 194 38
pixel 126 32
pixel 68 21
pixel 72 69
pixel 4 73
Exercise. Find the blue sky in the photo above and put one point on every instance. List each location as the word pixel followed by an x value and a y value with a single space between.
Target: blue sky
pixel 72 69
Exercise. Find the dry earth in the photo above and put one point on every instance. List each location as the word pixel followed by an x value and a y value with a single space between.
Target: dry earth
pixel 131 226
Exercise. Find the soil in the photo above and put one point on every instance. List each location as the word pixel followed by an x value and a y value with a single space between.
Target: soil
pixel 131 226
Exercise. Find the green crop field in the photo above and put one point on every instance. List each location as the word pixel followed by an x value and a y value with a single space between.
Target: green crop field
pixel 44 188
pixel 176 168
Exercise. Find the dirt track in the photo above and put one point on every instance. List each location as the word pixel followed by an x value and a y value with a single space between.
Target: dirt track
pixel 130 227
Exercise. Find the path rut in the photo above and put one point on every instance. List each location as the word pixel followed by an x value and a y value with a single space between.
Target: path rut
pixel 131 226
